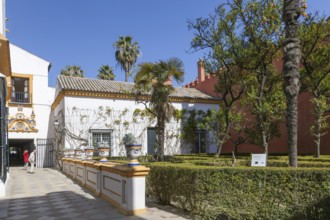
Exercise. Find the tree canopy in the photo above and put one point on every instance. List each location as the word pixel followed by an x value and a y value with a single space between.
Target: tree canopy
pixel 106 73
pixel 74 71
pixel 154 81
pixel 241 40
pixel 314 34
pixel 126 54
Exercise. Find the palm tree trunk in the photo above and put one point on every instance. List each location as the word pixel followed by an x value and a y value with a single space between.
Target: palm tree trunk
pixel 160 137
pixel 292 54
pixel 126 76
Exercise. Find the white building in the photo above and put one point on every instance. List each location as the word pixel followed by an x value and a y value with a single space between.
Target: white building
pixel 92 110
pixel 88 110
pixel 30 102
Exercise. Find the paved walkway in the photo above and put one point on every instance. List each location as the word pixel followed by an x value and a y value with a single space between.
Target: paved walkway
pixel 48 195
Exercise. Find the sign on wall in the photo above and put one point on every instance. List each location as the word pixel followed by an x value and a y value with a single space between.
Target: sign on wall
pixel 258 160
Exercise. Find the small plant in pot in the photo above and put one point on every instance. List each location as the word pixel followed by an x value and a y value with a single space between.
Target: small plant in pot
pixel 104 150
pixel 66 152
pixel 89 151
pixel 133 149
pixel 78 151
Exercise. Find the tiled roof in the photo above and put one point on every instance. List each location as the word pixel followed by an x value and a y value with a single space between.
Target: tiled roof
pixel 108 86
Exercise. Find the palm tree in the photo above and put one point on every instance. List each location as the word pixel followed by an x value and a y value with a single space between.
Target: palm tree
pixel 155 78
pixel 291 12
pixel 106 73
pixel 74 71
pixel 126 54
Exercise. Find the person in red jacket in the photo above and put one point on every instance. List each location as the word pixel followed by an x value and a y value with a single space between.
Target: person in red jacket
pixel 26 159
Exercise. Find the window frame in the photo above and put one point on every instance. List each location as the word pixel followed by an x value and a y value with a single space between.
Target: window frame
pixel 28 77
pixel 101 132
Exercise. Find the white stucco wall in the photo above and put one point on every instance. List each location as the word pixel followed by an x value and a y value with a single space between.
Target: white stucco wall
pixel 23 62
pixel 121 121
pixel 3 17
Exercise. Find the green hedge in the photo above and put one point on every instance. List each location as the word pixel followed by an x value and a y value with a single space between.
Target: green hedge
pixel 242 193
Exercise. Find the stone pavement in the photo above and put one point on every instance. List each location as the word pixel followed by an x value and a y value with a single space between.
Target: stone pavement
pixel 48 195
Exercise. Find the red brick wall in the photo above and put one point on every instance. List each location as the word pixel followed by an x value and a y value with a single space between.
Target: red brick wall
pixel 279 145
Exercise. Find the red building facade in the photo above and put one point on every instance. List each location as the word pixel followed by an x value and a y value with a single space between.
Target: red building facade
pixel 205 83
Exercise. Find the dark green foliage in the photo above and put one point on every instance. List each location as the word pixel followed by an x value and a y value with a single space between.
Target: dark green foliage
pixel 127 52
pixel 156 79
pixel 106 73
pixel 191 123
pixel 74 71
pixel 242 193
pixel 129 139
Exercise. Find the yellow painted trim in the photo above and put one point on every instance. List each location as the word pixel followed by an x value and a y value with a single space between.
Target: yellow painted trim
pixel 23 131
pixel 104 95
pixel 23 121
pixel 122 170
pixel 93 164
pixel 5 67
pixel 5 63
pixel 80 182
pixel 133 171
pixel 132 212
pixel 111 201
pixel 25 105
pixel 120 208
pixel 127 171
pixel 92 189
pixel 57 100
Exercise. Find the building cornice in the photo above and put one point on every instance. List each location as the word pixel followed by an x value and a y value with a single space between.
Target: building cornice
pixel 103 95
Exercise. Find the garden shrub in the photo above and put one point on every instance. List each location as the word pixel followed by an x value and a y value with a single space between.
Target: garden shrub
pixel 242 193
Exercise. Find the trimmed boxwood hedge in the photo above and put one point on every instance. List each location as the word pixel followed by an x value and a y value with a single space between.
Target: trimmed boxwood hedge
pixel 242 193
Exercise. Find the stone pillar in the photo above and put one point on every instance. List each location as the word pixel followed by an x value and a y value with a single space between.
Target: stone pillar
pixel 133 188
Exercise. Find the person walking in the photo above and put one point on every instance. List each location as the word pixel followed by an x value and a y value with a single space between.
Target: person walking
pixel 26 159
pixel 32 160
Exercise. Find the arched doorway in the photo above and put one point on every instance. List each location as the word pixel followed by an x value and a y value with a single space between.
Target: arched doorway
pixel 16 149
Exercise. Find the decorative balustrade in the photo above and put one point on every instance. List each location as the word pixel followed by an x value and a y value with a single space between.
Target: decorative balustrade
pixel 121 185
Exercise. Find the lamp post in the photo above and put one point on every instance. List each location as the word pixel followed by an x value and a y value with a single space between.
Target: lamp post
pixel 56 124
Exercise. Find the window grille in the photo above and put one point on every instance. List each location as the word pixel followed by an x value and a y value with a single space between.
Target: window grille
pixel 20 90
pixel 100 136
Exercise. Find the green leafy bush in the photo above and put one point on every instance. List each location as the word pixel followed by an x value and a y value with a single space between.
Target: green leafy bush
pixel 242 193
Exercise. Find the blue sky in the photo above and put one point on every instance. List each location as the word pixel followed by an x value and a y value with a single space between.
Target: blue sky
pixel 72 32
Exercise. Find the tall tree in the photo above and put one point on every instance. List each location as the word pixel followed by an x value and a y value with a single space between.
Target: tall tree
pixel 243 38
pixel 154 78
pixel 263 42
pixel 74 71
pixel 217 35
pixel 292 53
pixel 314 35
pixel 106 73
pixel 126 54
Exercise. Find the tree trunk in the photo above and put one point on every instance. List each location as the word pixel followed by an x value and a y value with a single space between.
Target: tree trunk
pixel 160 136
pixel 219 148
pixel 291 14
pixel 264 142
pixel 318 133
pixel 126 76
